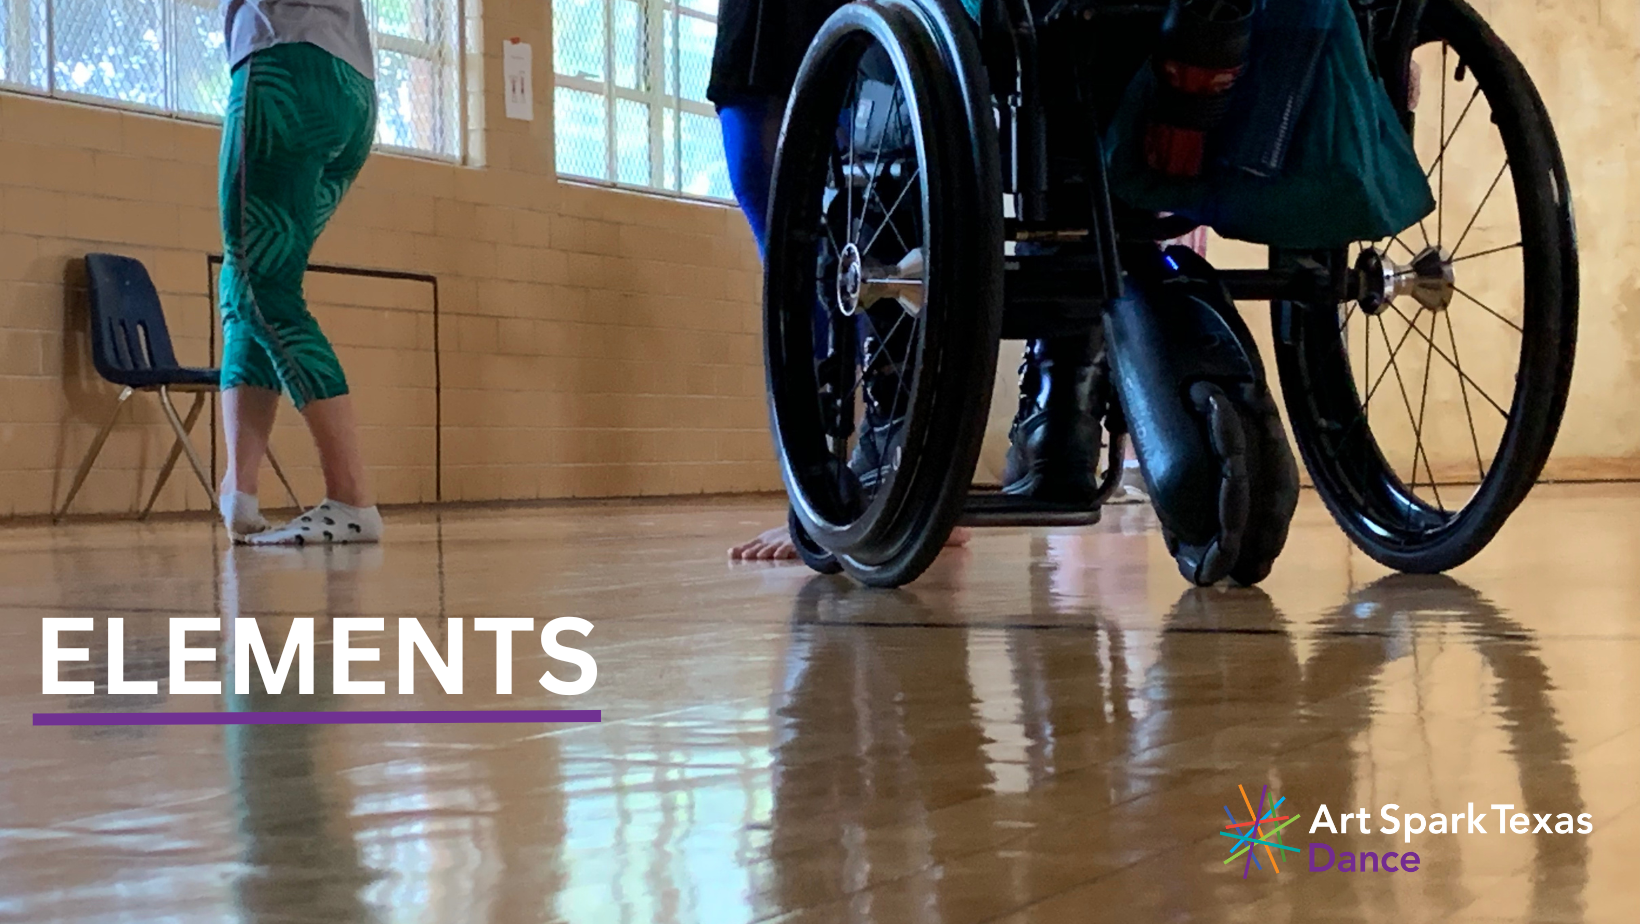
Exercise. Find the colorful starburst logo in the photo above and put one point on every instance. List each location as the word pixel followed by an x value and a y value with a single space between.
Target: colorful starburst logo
pixel 1250 835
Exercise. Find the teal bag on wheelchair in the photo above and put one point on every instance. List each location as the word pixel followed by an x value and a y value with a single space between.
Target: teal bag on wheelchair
pixel 1348 171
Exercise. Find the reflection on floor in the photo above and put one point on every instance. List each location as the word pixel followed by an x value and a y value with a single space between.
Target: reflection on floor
pixel 1049 727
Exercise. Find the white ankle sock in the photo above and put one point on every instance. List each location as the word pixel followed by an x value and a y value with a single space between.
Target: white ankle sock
pixel 242 514
pixel 330 522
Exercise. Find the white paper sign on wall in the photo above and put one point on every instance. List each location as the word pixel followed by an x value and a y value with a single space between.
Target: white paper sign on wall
pixel 515 74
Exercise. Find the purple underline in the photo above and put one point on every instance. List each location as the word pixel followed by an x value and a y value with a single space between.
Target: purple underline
pixel 388 717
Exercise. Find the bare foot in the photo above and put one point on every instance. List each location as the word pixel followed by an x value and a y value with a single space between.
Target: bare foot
pixel 770 545
pixel 776 545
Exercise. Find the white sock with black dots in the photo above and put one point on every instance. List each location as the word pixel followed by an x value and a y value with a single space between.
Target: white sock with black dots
pixel 241 514
pixel 330 522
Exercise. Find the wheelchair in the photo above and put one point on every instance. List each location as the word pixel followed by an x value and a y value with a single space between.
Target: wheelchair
pixel 940 186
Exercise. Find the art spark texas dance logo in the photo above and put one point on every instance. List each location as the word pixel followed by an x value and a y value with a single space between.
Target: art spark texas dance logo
pixel 1262 831
pixel 1259 839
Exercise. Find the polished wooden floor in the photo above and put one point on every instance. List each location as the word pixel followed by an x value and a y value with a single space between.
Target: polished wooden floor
pixel 1048 727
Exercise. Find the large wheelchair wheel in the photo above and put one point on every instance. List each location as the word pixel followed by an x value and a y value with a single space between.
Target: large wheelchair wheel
pixel 1426 408
pixel 883 284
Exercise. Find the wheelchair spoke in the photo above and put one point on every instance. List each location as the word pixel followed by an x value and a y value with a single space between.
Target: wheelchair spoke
pixel 1361 424
pixel 882 341
pixel 831 233
pixel 1488 310
pixel 852 107
pixel 1446 141
pixel 888 218
pixel 1366 368
pixel 1463 388
pixel 899 369
pixel 1366 402
pixel 900 389
pixel 889 210
pixel 898 237
pixel 1463 376
pixel 894 108
pixel 872 359
pixel 1487 253
pixel 1473 218
pixel 1423 406
pixel 1440 197
pixel 1417 441
pixel 916 176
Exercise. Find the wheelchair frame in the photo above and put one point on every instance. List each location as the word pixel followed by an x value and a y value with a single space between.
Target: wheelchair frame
pixel 1040 289
pixel 1071 286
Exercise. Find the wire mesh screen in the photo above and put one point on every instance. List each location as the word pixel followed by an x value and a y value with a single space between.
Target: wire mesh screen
pixel 694 66
pixel 630 100
pixel 198 59
pixel 23 43
pixel 577 38
pixel 170 56
pixel 418 80
pixel 114 49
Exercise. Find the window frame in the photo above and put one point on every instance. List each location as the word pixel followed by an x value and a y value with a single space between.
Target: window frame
pixel 450 60
pixel 658 100
pixel 447 59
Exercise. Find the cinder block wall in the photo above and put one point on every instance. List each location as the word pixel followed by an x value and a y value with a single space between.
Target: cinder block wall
pixel 592 342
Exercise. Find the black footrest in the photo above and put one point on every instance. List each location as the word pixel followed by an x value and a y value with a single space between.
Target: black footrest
pixel 993 508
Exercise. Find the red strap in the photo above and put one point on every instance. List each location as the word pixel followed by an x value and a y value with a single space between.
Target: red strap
pixel 1199 81
pixel 1175 151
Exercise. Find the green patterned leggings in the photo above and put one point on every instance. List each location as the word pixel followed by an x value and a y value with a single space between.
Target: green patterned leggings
pixel 298 130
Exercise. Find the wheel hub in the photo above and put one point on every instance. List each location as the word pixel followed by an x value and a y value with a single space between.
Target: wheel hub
pixel 860 283
pixel 1428 279
pixel 849 276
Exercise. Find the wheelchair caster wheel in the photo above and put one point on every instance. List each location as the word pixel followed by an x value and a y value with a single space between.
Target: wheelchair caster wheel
pixel 1193 390
pixel 1258 490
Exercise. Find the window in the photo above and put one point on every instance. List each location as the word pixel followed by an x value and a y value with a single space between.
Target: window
pixel 630 96
pixel 168 56
pixel 418 74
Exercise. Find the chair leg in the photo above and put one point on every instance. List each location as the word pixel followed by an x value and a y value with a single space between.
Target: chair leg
pixel 277 470
pixel 187 444
pixel 176 451
pixel 92 453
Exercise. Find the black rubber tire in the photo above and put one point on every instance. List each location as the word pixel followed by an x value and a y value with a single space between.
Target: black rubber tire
pixel 1272 471
pixel 934 57
pixel 1272 486
pixel 1206 563
pixel 808 551
pixel 1262 485
pixel 1363 492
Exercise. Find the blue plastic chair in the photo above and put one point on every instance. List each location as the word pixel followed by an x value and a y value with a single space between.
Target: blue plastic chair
pixel 131 347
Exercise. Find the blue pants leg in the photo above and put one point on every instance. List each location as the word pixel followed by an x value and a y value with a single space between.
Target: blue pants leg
pixel 750 130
